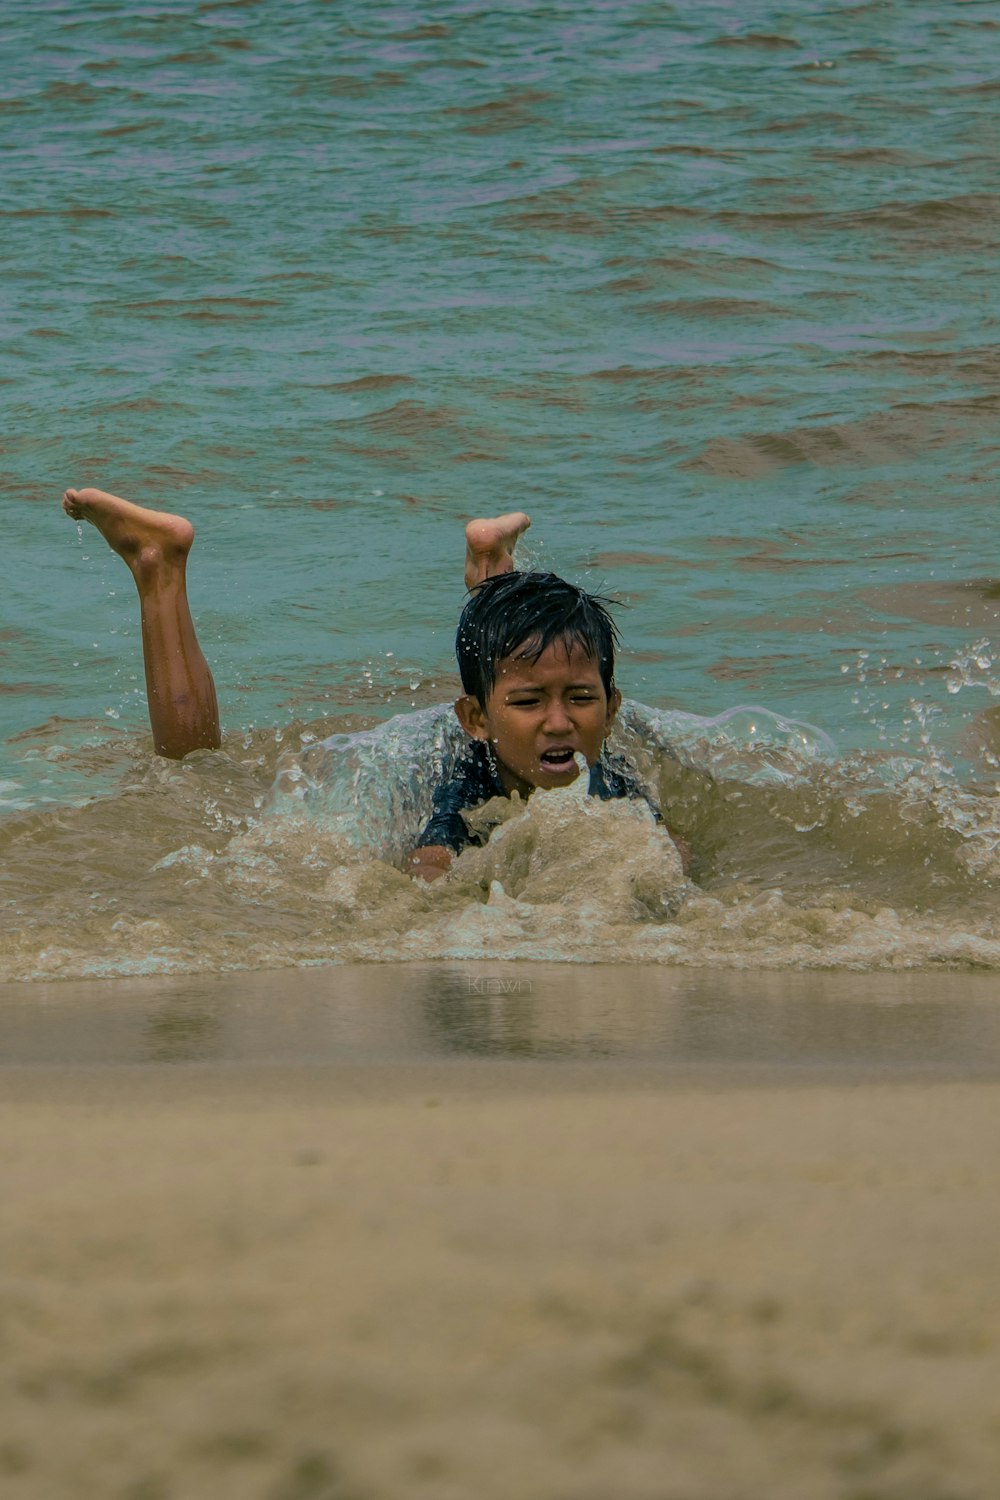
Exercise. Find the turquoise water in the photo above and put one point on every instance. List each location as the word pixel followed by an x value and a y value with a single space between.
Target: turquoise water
pixel 710 291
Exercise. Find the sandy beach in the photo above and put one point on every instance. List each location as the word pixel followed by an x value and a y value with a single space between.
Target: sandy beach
pixel 541 1232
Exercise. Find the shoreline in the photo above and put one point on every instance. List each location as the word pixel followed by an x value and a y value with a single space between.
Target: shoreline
pixel 827 1023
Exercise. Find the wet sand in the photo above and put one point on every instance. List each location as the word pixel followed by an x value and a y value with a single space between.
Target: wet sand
pixel 362 1233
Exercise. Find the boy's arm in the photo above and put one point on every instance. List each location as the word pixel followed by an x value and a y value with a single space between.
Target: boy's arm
pixel 430 861
pixel 447 833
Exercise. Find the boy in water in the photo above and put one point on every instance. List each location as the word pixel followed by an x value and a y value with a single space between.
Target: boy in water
pixel 536 656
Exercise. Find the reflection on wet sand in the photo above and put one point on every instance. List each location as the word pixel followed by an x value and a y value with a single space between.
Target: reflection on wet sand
pixel 362 1015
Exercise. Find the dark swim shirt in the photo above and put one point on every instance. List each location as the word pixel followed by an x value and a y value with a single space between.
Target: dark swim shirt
pixel 475 780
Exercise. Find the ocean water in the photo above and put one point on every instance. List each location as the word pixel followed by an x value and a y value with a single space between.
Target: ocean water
pixel 710 291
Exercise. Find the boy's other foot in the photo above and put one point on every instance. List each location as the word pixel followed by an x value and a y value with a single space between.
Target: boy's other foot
pixel 148 540
pixel 489 546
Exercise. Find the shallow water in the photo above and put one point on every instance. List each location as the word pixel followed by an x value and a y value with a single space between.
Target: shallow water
pixel 712 295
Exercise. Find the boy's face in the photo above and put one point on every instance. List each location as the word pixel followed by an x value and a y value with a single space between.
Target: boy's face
pixel 540 713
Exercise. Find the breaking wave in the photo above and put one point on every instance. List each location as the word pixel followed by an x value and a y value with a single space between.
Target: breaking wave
pixel 260 857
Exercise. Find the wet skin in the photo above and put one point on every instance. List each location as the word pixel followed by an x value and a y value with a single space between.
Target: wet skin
pixel 540 713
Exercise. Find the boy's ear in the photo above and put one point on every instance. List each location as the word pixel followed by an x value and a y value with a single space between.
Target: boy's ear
pixel 471 717
pixel 614 704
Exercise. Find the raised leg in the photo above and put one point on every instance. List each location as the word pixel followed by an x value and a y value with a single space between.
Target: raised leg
pixel 180 693
pixel 489 546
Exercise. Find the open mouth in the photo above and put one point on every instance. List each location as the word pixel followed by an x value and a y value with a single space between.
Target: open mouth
pixel 559 758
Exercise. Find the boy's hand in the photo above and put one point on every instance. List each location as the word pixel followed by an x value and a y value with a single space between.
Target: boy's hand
pixel 430 862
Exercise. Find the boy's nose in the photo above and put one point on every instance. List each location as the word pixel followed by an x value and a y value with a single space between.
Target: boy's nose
pixel 557 719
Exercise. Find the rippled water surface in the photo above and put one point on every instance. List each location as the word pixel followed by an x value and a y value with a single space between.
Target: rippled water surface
pixel 710 291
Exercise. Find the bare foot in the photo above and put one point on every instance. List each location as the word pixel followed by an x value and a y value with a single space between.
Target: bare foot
pixel 148 540
pixel 180 693
pixel 489 546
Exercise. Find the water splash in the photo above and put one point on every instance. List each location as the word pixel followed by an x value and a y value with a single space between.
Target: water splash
pixel 262 856
pixel 972 668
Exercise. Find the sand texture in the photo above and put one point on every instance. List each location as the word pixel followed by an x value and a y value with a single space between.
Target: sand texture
pixel 485 1279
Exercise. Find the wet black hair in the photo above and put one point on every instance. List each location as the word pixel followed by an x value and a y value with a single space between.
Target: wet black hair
pixel 521 614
